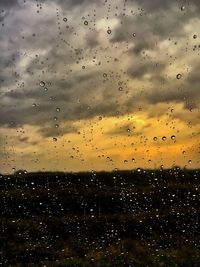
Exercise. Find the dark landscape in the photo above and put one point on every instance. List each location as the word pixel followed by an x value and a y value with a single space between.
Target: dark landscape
pixel 122 218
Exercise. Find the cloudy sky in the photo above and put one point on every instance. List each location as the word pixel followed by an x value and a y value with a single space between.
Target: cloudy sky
pixel 92 84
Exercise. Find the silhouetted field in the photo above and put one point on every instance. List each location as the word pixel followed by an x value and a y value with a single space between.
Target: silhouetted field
pixel 123 218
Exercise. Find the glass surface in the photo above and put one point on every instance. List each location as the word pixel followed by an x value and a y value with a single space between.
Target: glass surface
pixel 99 132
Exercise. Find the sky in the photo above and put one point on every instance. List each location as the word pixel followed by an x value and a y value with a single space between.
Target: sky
pixel 99 85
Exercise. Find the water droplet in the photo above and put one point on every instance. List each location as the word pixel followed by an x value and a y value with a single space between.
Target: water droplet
pixel 155 138
pixel 100 118
pixel 65 19
pixel 182 8
pixel 164 138
pixel 194 36
pixel 57 125
pixel 120 89
pixel 46 89
pixel 105 75
pixel 55 139
pixel 178 76
pixel 85 22
pixel 109 31
pixel 55 118
pixel 58 109
pixel 42 84
pixel 189 161
pixel 34 105
pixel 133 160
pixel 138 170
pixel 173 137
pixel 125 161
pixel 134 34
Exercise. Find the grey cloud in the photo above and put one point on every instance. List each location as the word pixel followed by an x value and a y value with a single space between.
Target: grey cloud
pixel 92 39
pixel 157 5
pixel 125 129
pixel 8 3
pixel 24 139
pixel 194 77
pixel 50 130
pixel 19 107
pixel 75 3
pixel 139 69
pixel 162 23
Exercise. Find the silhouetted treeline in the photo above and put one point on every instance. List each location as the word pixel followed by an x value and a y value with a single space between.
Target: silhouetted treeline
pixel 121 218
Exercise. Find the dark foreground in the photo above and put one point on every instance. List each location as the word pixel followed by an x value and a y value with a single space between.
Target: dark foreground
pixel 100 219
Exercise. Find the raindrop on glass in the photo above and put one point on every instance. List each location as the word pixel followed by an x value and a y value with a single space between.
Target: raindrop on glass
pixel 173 137
pixel 42 84
pixel 178 76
